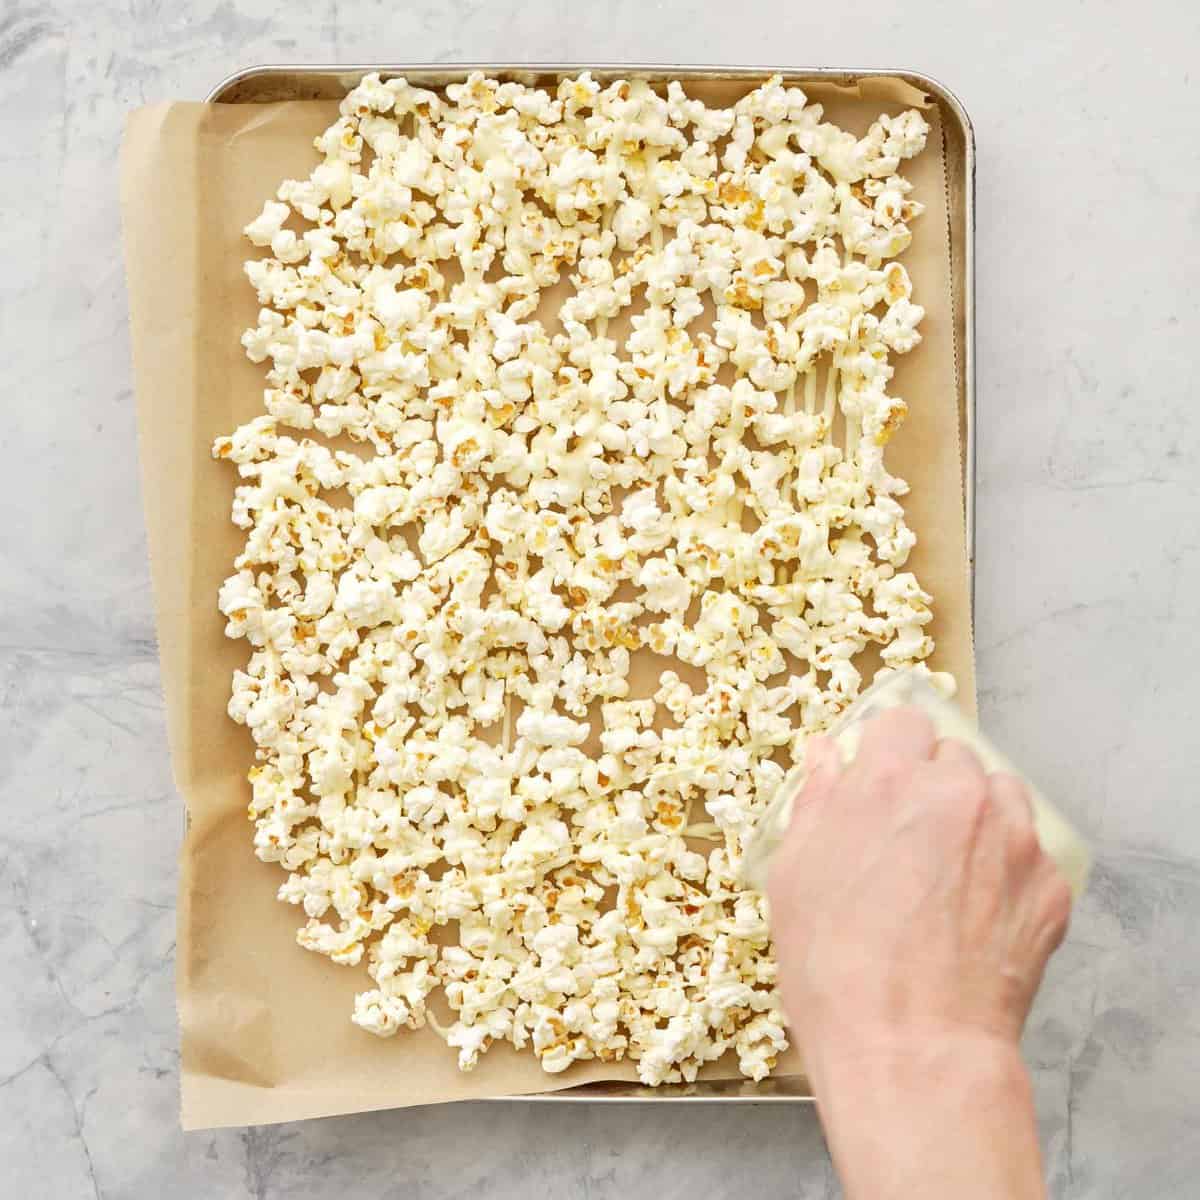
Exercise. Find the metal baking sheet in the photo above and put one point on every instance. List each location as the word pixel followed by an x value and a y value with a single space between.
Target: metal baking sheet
pixel 271 83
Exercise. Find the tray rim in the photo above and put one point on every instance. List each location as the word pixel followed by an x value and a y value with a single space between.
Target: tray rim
pixel 714 1091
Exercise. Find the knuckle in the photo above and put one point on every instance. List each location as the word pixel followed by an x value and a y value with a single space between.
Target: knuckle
pixel 971 810
pixel 1024 849
pixel 913 721
pixel 1057 903
pixel 1012 793
pixel 964 756
pixel 947 793
pixel 888 782
pixel 1014 785
pixel 891 777
pixel 969 791
pixel 904 724
pixel 974 786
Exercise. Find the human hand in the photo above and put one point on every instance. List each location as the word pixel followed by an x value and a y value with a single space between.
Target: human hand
pixel 913 913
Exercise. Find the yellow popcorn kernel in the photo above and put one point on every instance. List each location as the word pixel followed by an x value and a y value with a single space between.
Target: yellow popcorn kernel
pixel 892 422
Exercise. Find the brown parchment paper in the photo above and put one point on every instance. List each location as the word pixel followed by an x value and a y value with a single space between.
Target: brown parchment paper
pixel 265 1028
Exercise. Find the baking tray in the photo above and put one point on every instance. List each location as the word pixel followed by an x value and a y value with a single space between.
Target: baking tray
pixel 275 82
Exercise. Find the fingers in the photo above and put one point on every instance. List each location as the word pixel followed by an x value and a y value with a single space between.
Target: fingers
pixel 893 745
pixel 822 765
pixel 950 791
pixel 1057 903
pixel 944 802
pixel 960 777
pixel 958 756
pixel 1011 798
pixel 1048 895
pixel 896 738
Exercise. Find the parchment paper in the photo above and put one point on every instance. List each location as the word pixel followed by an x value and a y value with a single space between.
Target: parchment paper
pixel 265 1028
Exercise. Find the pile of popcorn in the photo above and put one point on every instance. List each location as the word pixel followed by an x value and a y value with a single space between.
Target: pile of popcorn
pixel 555 497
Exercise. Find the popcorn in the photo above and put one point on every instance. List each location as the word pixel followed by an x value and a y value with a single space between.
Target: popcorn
pixel 664 587
pixel 443 628
pixel 631 222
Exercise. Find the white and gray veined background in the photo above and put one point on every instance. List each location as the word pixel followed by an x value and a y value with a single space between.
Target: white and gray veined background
pixel 1089 570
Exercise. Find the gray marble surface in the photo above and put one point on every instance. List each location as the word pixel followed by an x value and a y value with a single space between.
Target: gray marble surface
pixel 1089 231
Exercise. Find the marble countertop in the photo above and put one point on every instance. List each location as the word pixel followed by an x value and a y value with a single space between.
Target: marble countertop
pixel 1089 431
